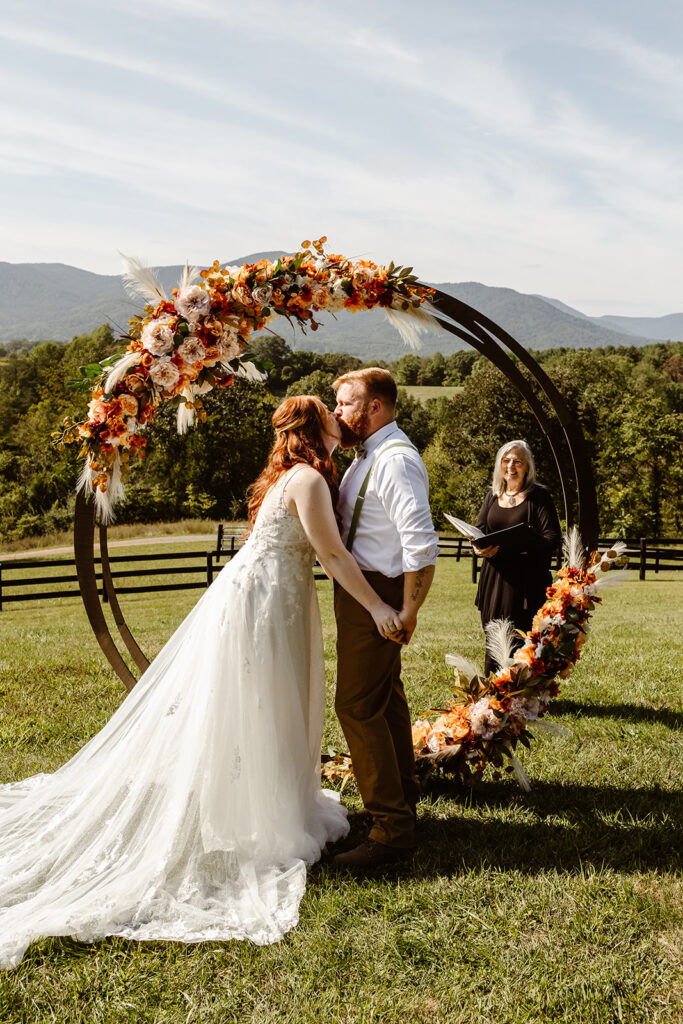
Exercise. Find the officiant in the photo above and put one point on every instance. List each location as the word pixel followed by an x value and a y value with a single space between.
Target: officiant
pixel 513 582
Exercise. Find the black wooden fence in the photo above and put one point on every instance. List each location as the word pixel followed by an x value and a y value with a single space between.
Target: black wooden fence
pixel 15 585
pixel 663 554
pixel 644 554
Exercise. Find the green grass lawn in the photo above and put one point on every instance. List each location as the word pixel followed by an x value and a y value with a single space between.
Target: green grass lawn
pixel 561 905
pixel 423 392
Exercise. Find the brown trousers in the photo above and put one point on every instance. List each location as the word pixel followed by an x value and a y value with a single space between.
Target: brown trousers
pixel 373 711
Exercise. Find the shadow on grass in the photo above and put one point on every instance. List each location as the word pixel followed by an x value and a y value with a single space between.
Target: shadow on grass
pixel 599 826
pixel 556 828
pixel 629 712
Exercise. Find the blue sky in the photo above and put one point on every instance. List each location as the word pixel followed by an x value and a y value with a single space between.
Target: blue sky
pixel 532 145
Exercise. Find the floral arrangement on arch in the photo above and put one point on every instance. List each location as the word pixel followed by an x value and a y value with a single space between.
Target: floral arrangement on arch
pixel 184 345
pixel 491 715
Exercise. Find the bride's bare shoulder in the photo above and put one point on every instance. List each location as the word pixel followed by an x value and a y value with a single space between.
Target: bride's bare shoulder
pixel 304 477
pixel 306 487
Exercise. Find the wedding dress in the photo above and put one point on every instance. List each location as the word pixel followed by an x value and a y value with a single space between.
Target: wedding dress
pixel 192 815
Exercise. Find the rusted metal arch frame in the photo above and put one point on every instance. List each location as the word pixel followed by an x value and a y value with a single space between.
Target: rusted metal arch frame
pixel 483 329
pixel 495 355
pixel 469 325
pixel 84 553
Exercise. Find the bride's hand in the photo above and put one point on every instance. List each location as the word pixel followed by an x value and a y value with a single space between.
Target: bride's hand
pixel 388 621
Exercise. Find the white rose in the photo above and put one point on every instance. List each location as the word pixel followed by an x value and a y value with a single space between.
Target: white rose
pixel 320 296
pixel 263 294
pixel 337 295
pixel 230 345
pixel 527 708
pixel 192 350
pixel 483 721
pixel 157 337
pixel 193 302
pixel 164 373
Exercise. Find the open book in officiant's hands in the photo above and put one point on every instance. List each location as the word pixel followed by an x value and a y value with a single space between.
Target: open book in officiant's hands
pixel 466 529
pixel 520 538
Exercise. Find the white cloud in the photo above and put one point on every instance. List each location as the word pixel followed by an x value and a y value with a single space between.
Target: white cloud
pixel 451 142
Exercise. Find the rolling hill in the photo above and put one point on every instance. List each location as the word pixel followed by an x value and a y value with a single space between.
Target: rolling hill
pixel 55 301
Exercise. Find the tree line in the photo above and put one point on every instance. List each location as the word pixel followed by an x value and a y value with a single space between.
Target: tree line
pixel 628 401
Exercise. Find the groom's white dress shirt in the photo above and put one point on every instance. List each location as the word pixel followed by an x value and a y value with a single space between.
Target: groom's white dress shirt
pixel 395 533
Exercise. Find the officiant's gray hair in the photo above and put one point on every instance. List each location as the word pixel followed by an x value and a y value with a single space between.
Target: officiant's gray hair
pixel 498 483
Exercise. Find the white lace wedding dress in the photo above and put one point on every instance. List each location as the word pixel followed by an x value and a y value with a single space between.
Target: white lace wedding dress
pixel 192 815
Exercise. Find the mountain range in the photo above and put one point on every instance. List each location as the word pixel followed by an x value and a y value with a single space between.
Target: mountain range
pixel 55 301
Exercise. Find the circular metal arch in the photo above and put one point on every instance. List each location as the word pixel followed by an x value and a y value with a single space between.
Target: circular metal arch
pixel 465 323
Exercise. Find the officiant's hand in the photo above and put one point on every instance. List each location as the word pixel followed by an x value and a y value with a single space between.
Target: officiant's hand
pixel 489 552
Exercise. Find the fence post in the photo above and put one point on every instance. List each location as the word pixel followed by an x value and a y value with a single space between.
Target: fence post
pixel 0 586
pixel 209 568
pixel 232 546
pixel 219 539
pixel 457 557
pixel 643 556
pixel 474 567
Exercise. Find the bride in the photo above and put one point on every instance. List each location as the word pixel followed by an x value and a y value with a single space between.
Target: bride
pixel 192 815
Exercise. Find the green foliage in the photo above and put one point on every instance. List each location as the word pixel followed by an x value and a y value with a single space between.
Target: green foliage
pixel 628 404
pixel 317 383
pixel 628 401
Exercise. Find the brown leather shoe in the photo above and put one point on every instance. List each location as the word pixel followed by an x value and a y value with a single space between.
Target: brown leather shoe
pixel 370 856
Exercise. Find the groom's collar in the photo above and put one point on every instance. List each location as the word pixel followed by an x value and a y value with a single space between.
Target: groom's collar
pixel 372 443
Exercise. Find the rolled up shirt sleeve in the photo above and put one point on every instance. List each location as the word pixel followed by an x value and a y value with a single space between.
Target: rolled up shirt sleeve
pixel 403 488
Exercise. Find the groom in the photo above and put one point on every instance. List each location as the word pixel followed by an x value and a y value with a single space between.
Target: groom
pixel 387 525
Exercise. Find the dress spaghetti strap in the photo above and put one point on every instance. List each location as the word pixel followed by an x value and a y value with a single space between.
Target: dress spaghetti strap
pixel 286 477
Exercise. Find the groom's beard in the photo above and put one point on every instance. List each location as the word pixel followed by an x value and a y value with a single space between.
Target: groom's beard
pixel 354 430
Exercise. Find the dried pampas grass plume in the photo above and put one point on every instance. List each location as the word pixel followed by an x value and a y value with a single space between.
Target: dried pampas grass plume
pixel 411 323
pixel 464 666
pixel 573 549
pixel 500 634
pixel 139 280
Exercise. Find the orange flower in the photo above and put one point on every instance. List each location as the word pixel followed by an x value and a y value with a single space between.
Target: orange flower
pixel 421 730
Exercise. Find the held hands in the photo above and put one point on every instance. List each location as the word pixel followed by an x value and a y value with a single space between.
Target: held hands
pixel 393 625
pixel 408 624
pixel 387 620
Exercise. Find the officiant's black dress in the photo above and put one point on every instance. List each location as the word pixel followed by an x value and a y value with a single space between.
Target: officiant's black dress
pixel 512 585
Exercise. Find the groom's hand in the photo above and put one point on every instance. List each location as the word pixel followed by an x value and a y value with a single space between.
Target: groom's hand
pixel 408 624
pixel 398 636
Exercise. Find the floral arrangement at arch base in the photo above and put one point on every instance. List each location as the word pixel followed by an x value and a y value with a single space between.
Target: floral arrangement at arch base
pixel 492 714
pixel 185 344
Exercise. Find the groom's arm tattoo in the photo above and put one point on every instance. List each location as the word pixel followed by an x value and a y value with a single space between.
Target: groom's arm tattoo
pixel 418 584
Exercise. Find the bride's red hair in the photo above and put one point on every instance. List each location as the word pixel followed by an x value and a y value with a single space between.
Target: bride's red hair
pixel 300 426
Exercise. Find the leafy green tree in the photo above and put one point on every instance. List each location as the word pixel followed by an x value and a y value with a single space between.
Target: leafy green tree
pixel 408 369
pixel 317 383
